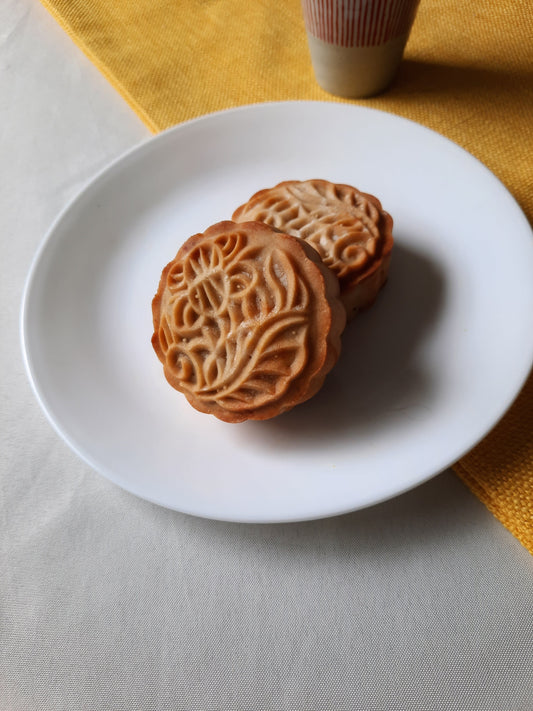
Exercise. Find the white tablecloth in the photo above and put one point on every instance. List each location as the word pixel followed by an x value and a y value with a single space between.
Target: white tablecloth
pixel 109 602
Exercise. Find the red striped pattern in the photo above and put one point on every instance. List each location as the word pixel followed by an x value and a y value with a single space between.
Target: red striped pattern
pixel 359 23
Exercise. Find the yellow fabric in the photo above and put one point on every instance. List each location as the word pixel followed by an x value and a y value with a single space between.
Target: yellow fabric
pixel 468 74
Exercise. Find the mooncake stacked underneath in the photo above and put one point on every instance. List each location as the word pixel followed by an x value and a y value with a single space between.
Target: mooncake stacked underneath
pixel 349 229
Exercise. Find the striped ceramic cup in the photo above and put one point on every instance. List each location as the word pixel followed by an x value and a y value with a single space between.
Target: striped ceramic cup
pixel 356 45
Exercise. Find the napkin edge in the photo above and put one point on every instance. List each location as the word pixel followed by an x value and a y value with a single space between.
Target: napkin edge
pixel 524 536
pixel 93 58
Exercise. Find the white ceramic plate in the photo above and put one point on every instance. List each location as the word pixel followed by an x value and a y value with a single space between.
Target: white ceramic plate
pixel 423 376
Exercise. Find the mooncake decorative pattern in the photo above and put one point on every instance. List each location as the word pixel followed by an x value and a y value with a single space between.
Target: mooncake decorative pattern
pixel 348 228
pixel 243 321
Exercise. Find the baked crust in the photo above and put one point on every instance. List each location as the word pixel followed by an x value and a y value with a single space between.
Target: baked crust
pixel 247 321
pixel 349 229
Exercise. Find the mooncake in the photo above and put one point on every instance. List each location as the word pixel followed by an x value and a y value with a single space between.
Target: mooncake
pixel 349 229
pixel 247 321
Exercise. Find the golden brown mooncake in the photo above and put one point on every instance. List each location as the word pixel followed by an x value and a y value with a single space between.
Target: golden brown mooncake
pixel 247 321
pixel 349 229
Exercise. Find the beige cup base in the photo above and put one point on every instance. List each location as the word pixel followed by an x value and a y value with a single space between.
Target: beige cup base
pixel 355 72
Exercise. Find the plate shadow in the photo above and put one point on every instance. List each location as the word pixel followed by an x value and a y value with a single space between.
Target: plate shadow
pixel 379 371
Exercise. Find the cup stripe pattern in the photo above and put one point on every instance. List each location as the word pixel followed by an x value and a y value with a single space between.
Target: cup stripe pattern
pixel 358 23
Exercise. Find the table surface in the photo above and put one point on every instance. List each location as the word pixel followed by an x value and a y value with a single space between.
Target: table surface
pixel 107 601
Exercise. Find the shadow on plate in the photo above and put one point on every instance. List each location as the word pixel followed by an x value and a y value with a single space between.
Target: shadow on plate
pixel 379 372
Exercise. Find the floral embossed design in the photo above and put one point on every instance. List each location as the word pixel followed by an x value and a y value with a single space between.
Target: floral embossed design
pixel 234 322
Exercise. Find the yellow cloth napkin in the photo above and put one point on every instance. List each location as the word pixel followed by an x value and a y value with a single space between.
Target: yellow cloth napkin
pixel 468 74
